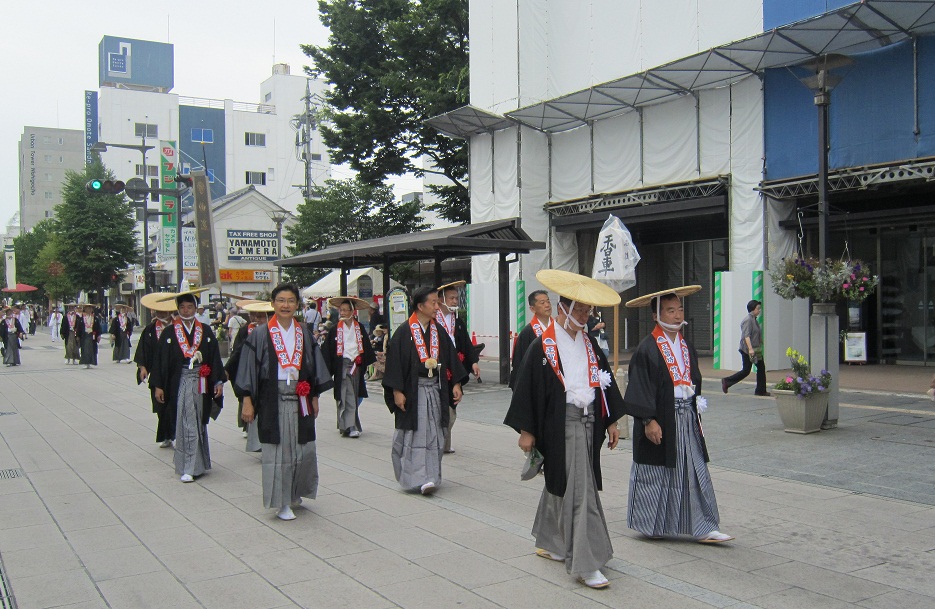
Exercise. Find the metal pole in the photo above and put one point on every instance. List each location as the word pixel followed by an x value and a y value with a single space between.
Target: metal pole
pixel 279 239
pixel 503 268
pixel 145 222
pixel 822 101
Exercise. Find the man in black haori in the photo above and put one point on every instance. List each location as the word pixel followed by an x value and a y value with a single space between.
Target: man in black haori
pixel 189 378
pixel 280 376
pixel 257 317
pixel 565 403
pixel 449 300
pixel 348 352
pixel 69 334
pixel 11 332
pixel 121 329
pixel 422 381
pixel 88 331
pixel 670 488
pixel 146 358
pixel 541 308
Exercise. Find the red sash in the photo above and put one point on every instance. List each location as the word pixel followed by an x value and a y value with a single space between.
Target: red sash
pixel 250 328
pixel 188 351
pixel 159 327
pixel 443 320
pixel 340 338
pixel 679 377
pixel 419 339
pixel 282 354
pixel 537 326
pixel 550 350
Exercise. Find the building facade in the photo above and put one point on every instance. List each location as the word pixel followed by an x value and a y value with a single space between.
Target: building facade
pixel 45 154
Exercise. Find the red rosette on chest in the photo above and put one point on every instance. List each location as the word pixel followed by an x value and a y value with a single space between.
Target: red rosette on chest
pixel 204 372
pixel 358 360
pixel 303 388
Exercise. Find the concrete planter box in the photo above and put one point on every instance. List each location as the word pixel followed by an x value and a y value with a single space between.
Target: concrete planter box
pixel 801 415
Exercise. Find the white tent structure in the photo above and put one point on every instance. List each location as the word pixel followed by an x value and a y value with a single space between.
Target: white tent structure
pixel 330 284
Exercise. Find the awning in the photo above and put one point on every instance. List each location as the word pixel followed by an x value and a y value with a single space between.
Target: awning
pixel 467 121
pixel 856 28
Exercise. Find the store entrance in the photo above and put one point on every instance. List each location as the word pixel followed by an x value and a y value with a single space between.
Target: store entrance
pixel 907 297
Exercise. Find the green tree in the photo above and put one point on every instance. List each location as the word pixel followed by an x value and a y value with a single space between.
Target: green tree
pixel 27 247
pixel 98 232
pixel 348 210
pixel 393 64
pixel 51 271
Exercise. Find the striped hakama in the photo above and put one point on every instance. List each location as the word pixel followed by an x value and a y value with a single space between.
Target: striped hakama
pixel 191 436
pixel 347 405
pixel 675 501
pixel 88 350
pixel 290 469
pixel 121 347
pixel 573 526
pixel 72 351
pixel 417 453
pixel 11 351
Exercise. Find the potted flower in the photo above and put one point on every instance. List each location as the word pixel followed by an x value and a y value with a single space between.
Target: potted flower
pixel 802 397
pixel 824 283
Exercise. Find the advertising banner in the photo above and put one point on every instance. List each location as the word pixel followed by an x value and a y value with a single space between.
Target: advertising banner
pixel 90 123
pixel 256 245
pixel 204 224
pixel 245 276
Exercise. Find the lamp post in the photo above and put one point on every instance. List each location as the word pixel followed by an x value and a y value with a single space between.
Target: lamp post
pixel 279 218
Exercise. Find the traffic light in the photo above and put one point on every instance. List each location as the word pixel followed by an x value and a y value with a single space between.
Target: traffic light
pixel 105 187
pixel 184 180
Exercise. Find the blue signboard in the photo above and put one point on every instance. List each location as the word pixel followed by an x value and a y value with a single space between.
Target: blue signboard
pixel 90 123
pixel 125 61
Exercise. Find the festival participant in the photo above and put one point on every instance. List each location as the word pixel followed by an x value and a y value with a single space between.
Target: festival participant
pixel 69 334
pixel 670 488
pixel 55 323
pixel 541 308
pixel 11 332
pixel 280 375
pixel 259 314
pixel 121 329
pixel 348 352
pixel 449 299
pixel 88 331
pixel 146 358
pixel 187 375
pixel 422 380
pixel 565 402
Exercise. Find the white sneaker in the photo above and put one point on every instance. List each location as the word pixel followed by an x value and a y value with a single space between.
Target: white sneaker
pixel 593 579
pixel 187 478
pixel 428 488
pixel 285 513
pixel 714 537
pixel 354 434
pixel 165 444
pixel 246 435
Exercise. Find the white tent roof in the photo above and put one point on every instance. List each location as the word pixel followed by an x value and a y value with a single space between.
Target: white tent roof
pixel 330 284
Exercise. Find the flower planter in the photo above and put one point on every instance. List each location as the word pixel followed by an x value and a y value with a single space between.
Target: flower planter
pixel 801 415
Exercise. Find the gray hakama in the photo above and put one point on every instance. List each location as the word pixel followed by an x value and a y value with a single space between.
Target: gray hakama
pixel 191 437
pixel 88 350
pixel 290 469
pixel 72 351
pixel 253 438
pixel 675 501
pixel 573 526
pixel 347 405
pixel 417 454
pixel 121 346
pixel 11 354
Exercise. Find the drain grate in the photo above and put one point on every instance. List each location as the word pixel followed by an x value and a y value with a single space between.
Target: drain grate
pixel 6 474
pixel 3 413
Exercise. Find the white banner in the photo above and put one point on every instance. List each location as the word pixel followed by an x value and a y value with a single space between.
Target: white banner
pixel 9 258
pixel 616 257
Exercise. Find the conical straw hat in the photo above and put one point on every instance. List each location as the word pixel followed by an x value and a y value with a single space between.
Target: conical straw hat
pixel 578 288
pixel 643 301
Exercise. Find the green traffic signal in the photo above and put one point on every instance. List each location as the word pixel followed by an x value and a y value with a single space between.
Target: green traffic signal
pixel 105 187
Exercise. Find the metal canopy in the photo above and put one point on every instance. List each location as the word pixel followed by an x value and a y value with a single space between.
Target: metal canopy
pixel 499 236
pixel 466 121
pixel 852 179
pixel 856 28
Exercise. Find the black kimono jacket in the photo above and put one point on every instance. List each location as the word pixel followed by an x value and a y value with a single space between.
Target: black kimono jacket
pixel 5 330
pixel 65 329
pixel 81 329
pixel 538 406
pixel 651 394
pixel 336 362
pixel 169 362
pixel 403 370
pixel 526 337
pixel 466 352
pixel 115 328
pixel 234 360
pixel 258 377
pixel 145 357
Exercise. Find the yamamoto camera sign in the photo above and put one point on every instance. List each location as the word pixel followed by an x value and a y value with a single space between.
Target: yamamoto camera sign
pixel 256 245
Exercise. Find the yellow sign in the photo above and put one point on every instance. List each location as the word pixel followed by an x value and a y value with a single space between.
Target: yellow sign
pixel 245 275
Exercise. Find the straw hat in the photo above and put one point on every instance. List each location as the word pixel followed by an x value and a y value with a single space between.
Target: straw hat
pixel 643 301
pixel 122 305
pixel 380 329
pixel 453 284
pixel 578 288
pixel 260 306
pixel 87 304
pixel 159 301
pixel 359 303
pixel 244 302
pixel 176 295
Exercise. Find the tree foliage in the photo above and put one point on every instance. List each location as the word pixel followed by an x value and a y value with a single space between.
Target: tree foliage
pixel 98 232
pixel 51 271
pixel 27 247
pixel 349 210
pixel 393 64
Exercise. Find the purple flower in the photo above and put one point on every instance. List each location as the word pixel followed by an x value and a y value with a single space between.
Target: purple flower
pixel 821 388
pixel 799 379
pixel 806 388
pixel 824 372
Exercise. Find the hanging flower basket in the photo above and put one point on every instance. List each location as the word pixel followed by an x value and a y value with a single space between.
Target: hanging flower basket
pixel 834 280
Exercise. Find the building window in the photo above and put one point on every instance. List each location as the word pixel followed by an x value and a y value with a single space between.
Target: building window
pixel 203 136
pixel 46 139
pixel 48 196
pixel 152 170
pixel 48 158
pixel 145 129
pixel 49 213
pixel 61 159
pixel 270 174
pixel 254 139
pixel 267 97
pixel 48 177
pixel 316 156
pixel 256 177
pixel 210 175
pixel 61 141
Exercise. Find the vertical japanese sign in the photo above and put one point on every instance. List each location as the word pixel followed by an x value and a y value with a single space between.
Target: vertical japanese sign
pixel 9 259
pixel 204 228
pixel 168 169
pixel 90 123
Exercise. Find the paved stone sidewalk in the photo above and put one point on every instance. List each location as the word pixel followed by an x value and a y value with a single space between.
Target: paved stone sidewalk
pixel 98 518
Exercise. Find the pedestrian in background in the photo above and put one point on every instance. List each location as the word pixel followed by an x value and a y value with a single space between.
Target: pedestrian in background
pixel 55 324
pixel 751 351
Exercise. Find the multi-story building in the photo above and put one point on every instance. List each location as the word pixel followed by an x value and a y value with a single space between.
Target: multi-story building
pixel 45 154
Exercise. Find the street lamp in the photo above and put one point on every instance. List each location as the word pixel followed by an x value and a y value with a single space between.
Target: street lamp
pixel 279 218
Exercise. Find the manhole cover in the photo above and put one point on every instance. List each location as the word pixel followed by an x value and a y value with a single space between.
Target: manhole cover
pixel 6 474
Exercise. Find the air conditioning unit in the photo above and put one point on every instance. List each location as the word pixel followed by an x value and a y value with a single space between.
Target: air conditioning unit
pixel 126 287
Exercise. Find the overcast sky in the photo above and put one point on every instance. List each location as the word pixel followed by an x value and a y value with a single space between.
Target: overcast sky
pixel 224 49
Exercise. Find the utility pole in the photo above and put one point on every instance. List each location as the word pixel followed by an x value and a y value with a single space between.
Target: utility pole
pixel 308 141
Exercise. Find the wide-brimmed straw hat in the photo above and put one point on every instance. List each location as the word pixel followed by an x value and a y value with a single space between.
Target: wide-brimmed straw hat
pixel 644 301
pixel 244 302
pixel 176 295
pixel 261 306
pixel 359 303
pixel 578 288
pixel 159 301
pixel 454 284
pixel 381 328
pixel 122 305
pixel 87 304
